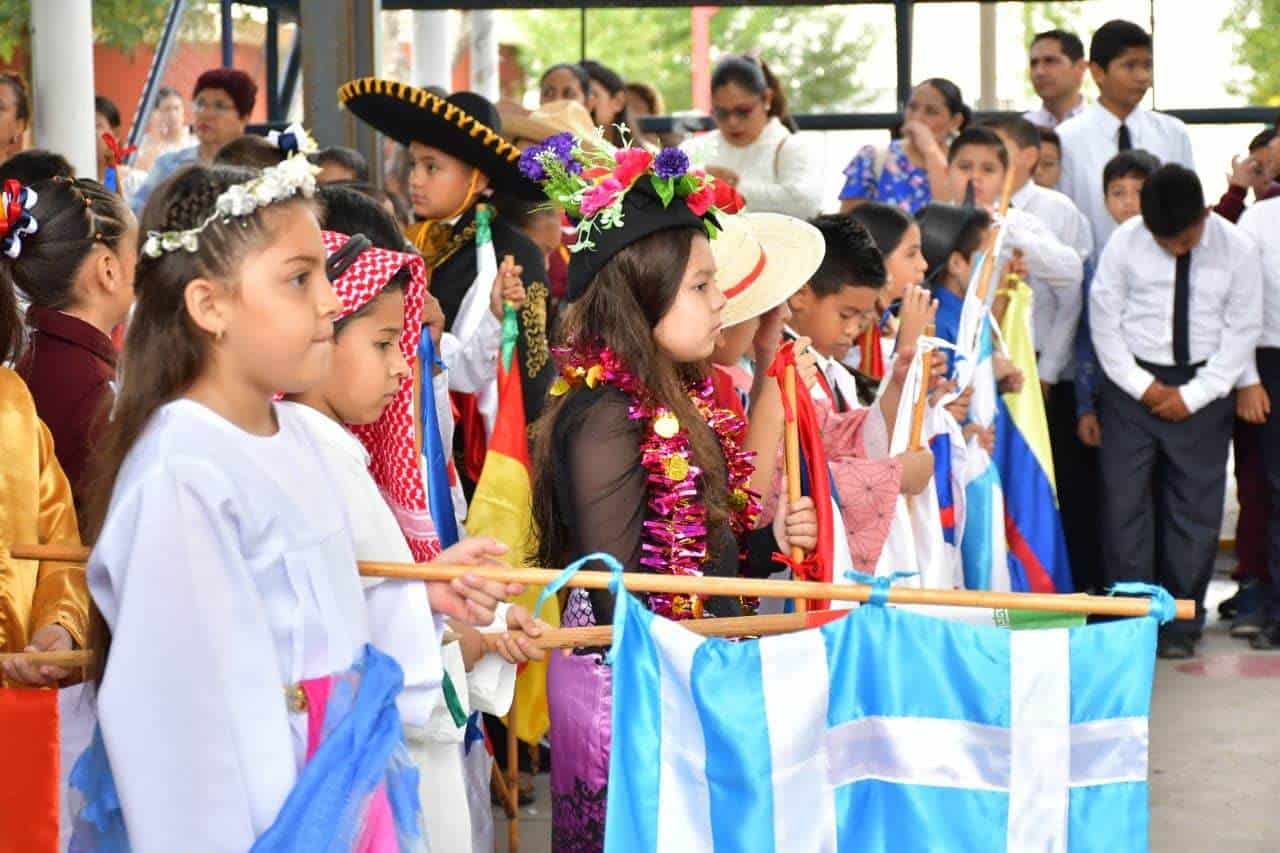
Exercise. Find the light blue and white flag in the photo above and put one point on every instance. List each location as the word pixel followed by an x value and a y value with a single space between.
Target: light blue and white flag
pixel 885 730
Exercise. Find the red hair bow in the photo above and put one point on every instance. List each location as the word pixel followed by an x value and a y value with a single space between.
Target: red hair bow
pixel 118 152
pixel 13 209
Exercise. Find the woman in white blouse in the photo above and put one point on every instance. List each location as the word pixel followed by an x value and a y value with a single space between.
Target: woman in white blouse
pixel 754 147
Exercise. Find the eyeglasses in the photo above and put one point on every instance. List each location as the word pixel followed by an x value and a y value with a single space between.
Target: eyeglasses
pixel 202 105
pixel 740 113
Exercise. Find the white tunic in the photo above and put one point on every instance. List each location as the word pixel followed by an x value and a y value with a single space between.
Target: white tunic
pixel 400 619
pixel 224 571
pixel 776 173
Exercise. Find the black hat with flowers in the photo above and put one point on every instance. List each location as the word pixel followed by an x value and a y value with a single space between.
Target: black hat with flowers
pixel 616 198
pixel 464 125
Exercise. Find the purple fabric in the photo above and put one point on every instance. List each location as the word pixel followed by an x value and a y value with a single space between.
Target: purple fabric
pixel 577 610
pixel 580 694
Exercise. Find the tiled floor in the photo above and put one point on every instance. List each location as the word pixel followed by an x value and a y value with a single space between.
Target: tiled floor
pixel 1215 754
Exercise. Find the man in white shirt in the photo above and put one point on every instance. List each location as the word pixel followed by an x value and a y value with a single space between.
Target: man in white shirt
pixel 1174 308
pixel 1055 321
pixel 1057 71
pixel 1259 393
pixel 1120 59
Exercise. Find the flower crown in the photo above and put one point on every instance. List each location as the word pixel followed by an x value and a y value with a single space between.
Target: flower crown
pixel 590 182
pixel 16 219
pixel 294 176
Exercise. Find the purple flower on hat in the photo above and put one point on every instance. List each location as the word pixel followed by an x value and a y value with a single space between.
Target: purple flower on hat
pixel 531 166
pixel 671 163
pixel 562 145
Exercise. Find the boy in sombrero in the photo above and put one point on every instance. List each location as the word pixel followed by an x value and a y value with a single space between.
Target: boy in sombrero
pixel 459 160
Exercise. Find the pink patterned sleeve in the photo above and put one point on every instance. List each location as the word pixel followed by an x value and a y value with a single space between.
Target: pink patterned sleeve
pixel 869 490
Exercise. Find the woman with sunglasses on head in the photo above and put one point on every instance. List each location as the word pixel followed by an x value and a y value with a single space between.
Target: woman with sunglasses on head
pixel 754 148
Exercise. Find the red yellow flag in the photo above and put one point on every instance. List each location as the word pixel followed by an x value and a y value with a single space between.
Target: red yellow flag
pixel 502 507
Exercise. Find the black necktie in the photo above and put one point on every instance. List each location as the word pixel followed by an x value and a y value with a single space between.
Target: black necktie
pixel 1126 142
pixel 1182 312
pixel 840 403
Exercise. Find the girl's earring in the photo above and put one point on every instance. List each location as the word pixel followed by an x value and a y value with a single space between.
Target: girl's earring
pixel 217 336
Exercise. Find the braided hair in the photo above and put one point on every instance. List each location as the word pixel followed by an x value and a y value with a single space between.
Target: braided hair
pixel 74 216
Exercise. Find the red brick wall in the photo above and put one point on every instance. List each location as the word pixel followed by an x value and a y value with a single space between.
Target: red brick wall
pixel 120 76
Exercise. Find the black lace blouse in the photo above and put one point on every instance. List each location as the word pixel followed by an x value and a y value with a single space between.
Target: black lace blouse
pixel 601 492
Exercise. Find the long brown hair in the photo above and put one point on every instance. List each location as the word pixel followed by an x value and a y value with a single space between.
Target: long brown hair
pixel 620 309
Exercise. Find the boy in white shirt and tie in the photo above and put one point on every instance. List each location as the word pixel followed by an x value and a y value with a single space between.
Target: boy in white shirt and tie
pixel 1174 309
pixel 1260 394
pixel 1120 60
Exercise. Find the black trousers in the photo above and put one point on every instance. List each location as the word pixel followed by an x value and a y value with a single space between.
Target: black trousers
pixel 1162 491
pixel 1269 371
pixel 1075 470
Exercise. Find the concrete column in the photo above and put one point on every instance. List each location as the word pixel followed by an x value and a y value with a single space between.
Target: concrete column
pixel 987 97
pixel 341 40
pixel 484 54
pixel 432 49
pixel 62 81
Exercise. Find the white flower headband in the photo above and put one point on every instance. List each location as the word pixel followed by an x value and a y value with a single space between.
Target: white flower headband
pixel 294 176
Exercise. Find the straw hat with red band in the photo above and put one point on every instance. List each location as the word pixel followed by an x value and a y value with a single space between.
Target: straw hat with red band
pixel 761 260
pixel 546 121
pixel 393 458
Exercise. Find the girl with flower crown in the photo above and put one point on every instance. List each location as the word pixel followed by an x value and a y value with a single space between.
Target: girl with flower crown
pixel 241 703
pixel 634 457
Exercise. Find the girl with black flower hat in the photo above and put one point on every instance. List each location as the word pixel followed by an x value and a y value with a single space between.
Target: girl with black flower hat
pixel 460 159
pixel 633 457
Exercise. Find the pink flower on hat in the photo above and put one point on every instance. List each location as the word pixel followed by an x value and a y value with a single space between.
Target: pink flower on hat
pixel 632 163
pixel 600 196
pixel 700 200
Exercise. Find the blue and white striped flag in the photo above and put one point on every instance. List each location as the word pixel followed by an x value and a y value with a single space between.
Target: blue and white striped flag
pixel 884 730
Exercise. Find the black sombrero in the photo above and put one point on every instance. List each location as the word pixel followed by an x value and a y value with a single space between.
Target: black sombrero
pixel 464 124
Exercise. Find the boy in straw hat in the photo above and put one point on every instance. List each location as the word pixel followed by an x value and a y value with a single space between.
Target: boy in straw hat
pixel 763 260
pixel 459 160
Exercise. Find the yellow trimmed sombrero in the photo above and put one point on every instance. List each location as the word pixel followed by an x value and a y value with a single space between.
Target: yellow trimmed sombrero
pixel 464 124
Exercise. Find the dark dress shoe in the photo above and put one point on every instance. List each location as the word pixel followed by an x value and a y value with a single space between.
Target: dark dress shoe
pixel 1174 647
pixel 1268 637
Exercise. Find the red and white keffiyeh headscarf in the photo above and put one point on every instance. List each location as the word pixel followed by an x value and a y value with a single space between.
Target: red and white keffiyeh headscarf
pixel 393 461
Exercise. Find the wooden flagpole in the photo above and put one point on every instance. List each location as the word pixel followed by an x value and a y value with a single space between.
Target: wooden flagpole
pixel 989 244
pixel 791 436
pixel 1099 605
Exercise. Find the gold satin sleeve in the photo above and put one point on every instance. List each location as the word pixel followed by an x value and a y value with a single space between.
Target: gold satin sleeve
pixel 62 595
pixel 35 508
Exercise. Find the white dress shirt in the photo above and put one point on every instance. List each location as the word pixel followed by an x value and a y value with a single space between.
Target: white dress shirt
pixel 1091 139
pixel 1055 311
pixel 226 572
pixel 1131 308
pixel 1049 261
pixel 1041 117
pixel 776 173
pixel 1262 223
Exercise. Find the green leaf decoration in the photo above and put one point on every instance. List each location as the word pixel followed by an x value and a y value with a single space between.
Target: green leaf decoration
pixel 665 189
